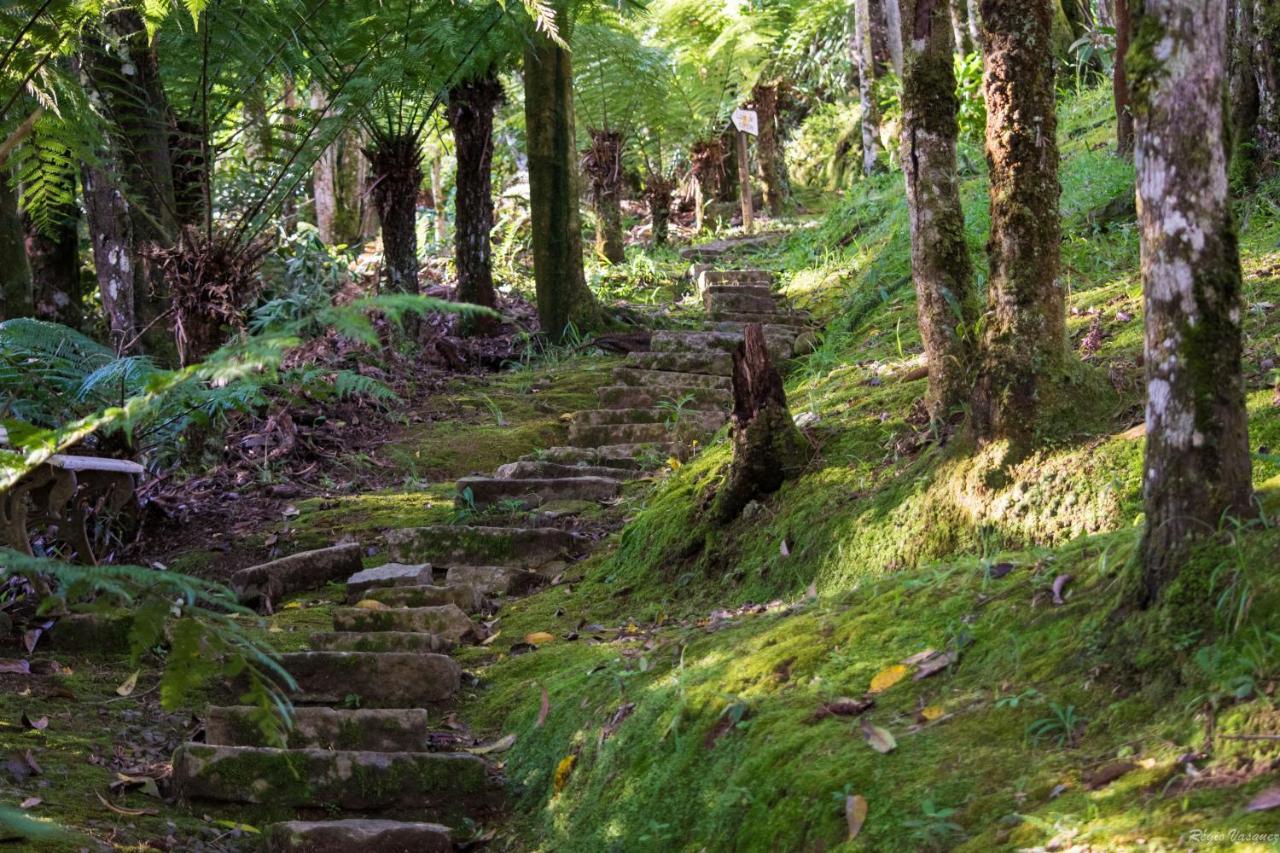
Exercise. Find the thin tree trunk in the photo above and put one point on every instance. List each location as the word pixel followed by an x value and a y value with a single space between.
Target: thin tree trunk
pixel 563 297
pixel 769 149
pixel 15 272
pixel 438 221
pixel 1120 80
pixel 111 233
pixel 351 190
pixel 946 301
pixel 1266 63
pixel 470 113
pixel 397 174
pixel 893 26
pixel 975 22
pixel 1024 342
pixel 54 255
pixel 603 167
pixel 959 26
pixel 1197 464
pixel 708 159
pixel 865 61
pixel 324 179
pixel 658 191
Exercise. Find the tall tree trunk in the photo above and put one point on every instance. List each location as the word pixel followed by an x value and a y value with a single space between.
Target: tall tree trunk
pixel 893 26
pixel 975 22
pixel 769 149
pixel 54 255
pixel 959 26
pixel 438 221
pixel 657 192
pixel 351 190
pixel 1024 342
pixel 470 113
pixel 563 297
pixel 1197 458
pixel 708 163
pixel 15 272
pixel 1120 81
pixel 396 164
pixel 111 233
pixel 1266 64
pixel 728 190
pixel 946 301
pixel 324 179
pixel 865 61
pixel 602 164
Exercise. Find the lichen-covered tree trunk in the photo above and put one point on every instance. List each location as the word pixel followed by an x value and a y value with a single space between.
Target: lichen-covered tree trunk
pixel 1123 22
pixel 1024 341
pixel 773 173
pixel 1197 464
pixel 946 301
pixel 470 113
pixel 959 25
pixel 975 22
pixel 865 61
pixel 768 449
pixel 111 234
pixel 563 297
pixel 1266 64
pixel 893 28
pixel 396 164
pixel 15 272
pixel 602 164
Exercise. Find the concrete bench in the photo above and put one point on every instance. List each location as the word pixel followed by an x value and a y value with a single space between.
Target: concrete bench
pixel 65 492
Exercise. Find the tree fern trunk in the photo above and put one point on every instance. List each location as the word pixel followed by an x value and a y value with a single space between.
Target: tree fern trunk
pixel 397 176
pixel 54 255
pixel 1197 464
pixel 563 297
pixel 603 167
pixel 470 113
pixel 769 149
pixel 15 272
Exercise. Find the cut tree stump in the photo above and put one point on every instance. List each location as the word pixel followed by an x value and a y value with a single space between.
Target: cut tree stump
pixel 767 447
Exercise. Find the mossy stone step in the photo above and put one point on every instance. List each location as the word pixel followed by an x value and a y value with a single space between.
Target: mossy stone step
pixel 488 491
pixel 779 340
pixel 641 457
pixel 447 545
pixel 753 276
pixel 670 381
pixel 363 729
pixel 531 470
pixel 795 320
pixel 345 836
pixel 442 784
pixel 763 291
pixel 463 596
pixel 626 397
pixel 446 621
pixel 739 301
pixel 703 418
pixel 710 362
pixel 378 679
pixel 588 435
pixel 497 580
pixel 378 641
pixel 389 574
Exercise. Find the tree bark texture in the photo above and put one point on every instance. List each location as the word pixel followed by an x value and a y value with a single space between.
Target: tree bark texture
pixel 975 22
pixel 15 272
pixel 1123 22
pixel 602 165
pixel 773 173
pixel 708 163
pixel 470 113
pixel 658 192
pixel 1024 340
pixel 865 61
pixel 893 27
pixel 959 26
pixel 1197 458
pixel 1264 62
pixel 111 233
pixel 768 449
pixel 53 253
pixel 396 164
pixel 946 300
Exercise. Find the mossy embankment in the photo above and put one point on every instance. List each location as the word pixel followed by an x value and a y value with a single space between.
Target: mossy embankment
pixel 674 726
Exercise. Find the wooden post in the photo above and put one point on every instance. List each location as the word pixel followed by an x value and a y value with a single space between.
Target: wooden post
pixel 744 179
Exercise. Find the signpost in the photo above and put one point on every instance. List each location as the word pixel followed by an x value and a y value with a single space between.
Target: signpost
pixel 747 122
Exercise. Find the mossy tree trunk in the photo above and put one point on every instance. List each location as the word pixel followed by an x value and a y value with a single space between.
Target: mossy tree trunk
pixel 1123 23
pixel 864 59
pixel 111 234
pixel 1256 89
pixel 708 159
pixel 946 300
pixel 15 272
pixel 1197 464
pixel 658 191
pixel 975 22
pixel 602 164
pixel 470 113
pixel 768 449
pixel 563 297
pixel 773 171
pixel 963 40
pixel 54 254
pixel 1024 342
pixel 396 164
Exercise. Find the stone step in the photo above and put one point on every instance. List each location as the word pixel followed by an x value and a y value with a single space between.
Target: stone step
pixel 640 457
pixel 497 580
pixel 779 340
pixel 447 545
pixel 663 381
pixel 710 419
pixel 489 491
pixel 803 338
pixel 442 784
pixel 736 300
pixel 531 470
pixel 720 291
pixel 721 277
pixel 296 573
pixel 466 598
pixel 795 320
pixel 389 574
pixel 447 621
pixel 626 397
pixel 379 679
pixel 588 435
pixel 364 729
pixel 379 641
pixel 698 362
pixel 345 836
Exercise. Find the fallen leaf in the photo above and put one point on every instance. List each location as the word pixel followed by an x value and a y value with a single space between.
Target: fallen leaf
pixel 563 769
pixel 844 707
pixel 919 657
pixel 30 803
pixel 145 784
pixel 370 604
pixel 537 638
pixel 1265 801
pixel 935 664
pixel 1060 583
pixel 129 685
pixel 888 677
pixel 489 639
pixel 930 713
pixel 1107 774
pixel 39 724
pixel 497 746
pixel 999 570
pixel 855 813
pixel 15 667
pixel 125 811
pixel 783 549
pixel 291 511
pixel 543 709
pixel 22 765
pixel 881 740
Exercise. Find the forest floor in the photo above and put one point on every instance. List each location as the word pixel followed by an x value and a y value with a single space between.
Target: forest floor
pixel 751 687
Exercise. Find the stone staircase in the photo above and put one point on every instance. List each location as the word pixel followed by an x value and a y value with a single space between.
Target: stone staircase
pixel 367 744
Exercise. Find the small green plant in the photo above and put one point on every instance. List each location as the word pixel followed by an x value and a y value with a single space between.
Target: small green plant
pixel 465 506
pixel 934 829
pixel 1026 696
pixel 675 409
pixel 1063 724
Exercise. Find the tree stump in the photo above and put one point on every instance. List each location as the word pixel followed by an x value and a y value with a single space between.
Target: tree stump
pixel 767 447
